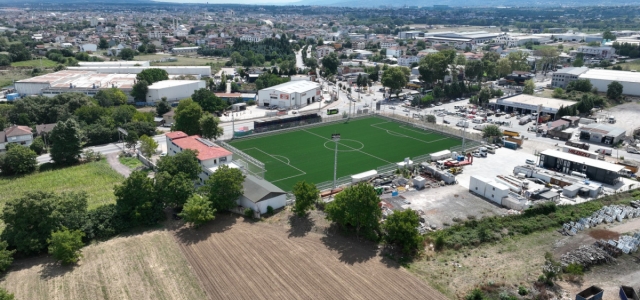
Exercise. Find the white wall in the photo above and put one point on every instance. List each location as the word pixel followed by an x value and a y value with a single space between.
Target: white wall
pixel 628 88
pixel 30 88
pixel 275 203
pixel 174 92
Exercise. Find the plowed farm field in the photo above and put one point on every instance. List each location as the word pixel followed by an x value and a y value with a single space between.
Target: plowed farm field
pixel 237 259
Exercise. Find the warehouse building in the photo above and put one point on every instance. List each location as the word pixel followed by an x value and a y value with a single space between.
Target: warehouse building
pixel 562 77
pixel 601 78
pixel 197 71
pixel 173 90
pixel 290 94
pixel 119 63
pixel 596 170
pixel 526 104
pixel 602 133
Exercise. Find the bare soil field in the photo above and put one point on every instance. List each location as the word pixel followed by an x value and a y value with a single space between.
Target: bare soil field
pixel 238 259
pixel 506 265
pixel 147 265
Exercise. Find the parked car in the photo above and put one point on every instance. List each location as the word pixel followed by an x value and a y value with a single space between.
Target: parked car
pixel 530 162
pixel 446 122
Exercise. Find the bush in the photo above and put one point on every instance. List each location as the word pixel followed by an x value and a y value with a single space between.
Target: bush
pixel 248 213
pixel 270 210
pixel 5 295
pixel 65 245
pixel 574 269
pixel 6 256
pixel 251 102
pixel 522 291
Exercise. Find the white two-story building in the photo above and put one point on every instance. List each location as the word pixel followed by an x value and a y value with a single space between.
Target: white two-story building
pixel 15 134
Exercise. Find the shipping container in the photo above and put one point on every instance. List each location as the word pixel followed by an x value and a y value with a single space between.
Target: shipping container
pixel 510 145
pixel 13 96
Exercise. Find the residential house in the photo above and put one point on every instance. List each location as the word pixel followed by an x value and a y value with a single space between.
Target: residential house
pixel 395 51
pixel 16 134
pixel 323 51
pixel 407 60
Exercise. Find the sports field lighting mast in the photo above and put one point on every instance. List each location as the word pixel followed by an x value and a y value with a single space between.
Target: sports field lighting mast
pixel 336 138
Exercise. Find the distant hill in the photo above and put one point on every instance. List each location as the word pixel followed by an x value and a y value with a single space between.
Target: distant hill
pixel 468 3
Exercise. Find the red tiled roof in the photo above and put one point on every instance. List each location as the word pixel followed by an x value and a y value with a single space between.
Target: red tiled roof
pixel 176 135
pixel 205 152
pixel 17 130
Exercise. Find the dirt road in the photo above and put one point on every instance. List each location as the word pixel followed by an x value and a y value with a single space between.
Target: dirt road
pixel 237 259
pixel 115 164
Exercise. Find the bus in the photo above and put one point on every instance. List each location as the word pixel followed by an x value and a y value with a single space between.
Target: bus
pixel 332 111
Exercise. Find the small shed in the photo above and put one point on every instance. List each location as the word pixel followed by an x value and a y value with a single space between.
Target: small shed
pixel 239 107
pixel 419 182
pixel 363 176
pixel 571 191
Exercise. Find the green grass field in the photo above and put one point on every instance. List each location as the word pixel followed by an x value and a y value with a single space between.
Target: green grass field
pixel 367 143
pixel 35 63
pixel 97 179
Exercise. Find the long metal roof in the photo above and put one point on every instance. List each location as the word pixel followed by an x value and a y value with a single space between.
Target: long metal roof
pixel 583 160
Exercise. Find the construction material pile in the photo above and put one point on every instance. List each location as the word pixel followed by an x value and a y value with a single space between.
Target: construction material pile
pixel 586 256
pixel 607 214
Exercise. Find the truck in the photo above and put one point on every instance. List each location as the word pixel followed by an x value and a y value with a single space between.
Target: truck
pixel 516 140
pixel 605 151
pixel 583 146
pixel 464 124
pixel 511 133
pixel 525 120
pixel 611 119
pixel 544 119
pixel 480 127
pixel 13 96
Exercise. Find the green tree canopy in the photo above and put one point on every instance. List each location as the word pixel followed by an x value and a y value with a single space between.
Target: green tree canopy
pixel 210 127
pixel 187 118
pixel 224 187
pixel 208 100
pixel 529 87
pixel 330 63
pixel 581 85
pixel 65 245
pixel 395 79
pixel 136 200
pixel 197 211
pixel 306 196
pixel 173 191
pixel 267 79
pixel 185 162
pixel 66 142
pixel 18 160
pixel 148 146
pixel 6 256
pixel 401 228
pixel 356 207
pixel 127 54
pixel 614 90
pixel 139 90
pixel 152 75
pixel 162 108
pixel 111 97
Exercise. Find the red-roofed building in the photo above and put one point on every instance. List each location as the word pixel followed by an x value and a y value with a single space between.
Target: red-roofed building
pixel 210 155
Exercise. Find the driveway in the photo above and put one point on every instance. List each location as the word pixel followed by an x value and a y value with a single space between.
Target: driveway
pixel 112 159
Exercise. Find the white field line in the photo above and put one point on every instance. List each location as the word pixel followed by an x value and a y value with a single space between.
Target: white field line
pixel 328 139
pixel 286 163
pixel 402 135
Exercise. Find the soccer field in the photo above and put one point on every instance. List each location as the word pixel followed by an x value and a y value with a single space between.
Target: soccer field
pixel 365 144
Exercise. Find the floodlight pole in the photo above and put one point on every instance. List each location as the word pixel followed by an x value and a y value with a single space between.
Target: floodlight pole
pixel 336 138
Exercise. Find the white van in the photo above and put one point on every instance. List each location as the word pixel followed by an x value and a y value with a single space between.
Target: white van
pixel 578 174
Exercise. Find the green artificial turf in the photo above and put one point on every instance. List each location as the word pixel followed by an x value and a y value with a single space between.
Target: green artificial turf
pixel 366 143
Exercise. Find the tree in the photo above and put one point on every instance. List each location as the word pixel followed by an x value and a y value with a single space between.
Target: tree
pixel 356 207
pixel 208 100
pixel 6 257
pixel 139 91
pixel 65 245
pixel 433 67
pixel 197 211
pixel 484 96
pixel 331 63
pixel 66 142
pixel 491 131
pixel 558 93
pixel 131 140
pixel 173 191
pixel 29 221
pixel 224 187
pixel 395 79
pixel 431 119
pixel 185 162
pixel 103 44
pixel 306 195
pixel 578 62
pixel 474 70
pixel 529 87
pixel 187 118
pixel 19 52
pixel 581 85
pixel 111 97
pixel 162 107
pixel 127 54
pixel 209 127
pixel 608 35
pixel 401 228
pixel 503 67
pixel 18 160
pixel 152 75
pixel 148 145
pixel 136 200
pixel 614 90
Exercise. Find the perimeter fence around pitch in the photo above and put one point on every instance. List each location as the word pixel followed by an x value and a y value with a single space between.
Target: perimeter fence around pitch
pixel 247 162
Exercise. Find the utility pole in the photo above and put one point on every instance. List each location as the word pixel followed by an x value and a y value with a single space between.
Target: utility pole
pixel 336 138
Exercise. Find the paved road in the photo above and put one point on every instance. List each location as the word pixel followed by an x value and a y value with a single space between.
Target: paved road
pixel 299 61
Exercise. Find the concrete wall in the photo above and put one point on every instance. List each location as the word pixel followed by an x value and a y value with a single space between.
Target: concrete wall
pixel 628 88
pixel 174 92
pixel 30 88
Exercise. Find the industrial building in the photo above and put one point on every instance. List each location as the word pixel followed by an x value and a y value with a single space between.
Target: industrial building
pixel 523 103
pixel 597 170
pixel 118 63
pixel 197 71
pixel 601 78
pixel 602 133
pixel 173 90
pixel 496 192
pixel 289 94
pixel 562 77
pixel 87 82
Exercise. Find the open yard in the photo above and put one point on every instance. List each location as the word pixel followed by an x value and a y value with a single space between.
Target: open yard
pixel 147 265
pixel 8 76
pixel 238 259
pixel 97 179
pixel 131 162
pixel 365 144
pixel 181 60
